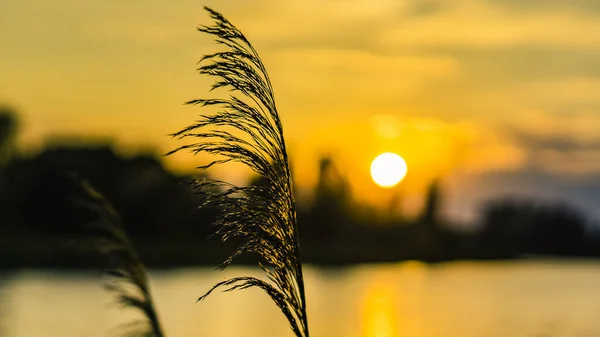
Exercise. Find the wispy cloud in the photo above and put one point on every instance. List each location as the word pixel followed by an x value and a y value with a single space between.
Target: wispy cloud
pixel 583 7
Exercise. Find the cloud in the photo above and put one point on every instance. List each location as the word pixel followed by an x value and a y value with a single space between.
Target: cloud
pixel 487 28
pixel 591 7
pixel 556 143
pixel 425 8
pixel 505 64
pixel 387 26
pixel 560 154
pixel 469 193
pixel 583 90
pixel 355 81
pixel 579 125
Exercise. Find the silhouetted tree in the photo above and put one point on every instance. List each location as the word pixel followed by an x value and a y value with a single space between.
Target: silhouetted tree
pixel 331 206
pixel 8 132
pixel 432 204
pixel 153 202
pixel 516 226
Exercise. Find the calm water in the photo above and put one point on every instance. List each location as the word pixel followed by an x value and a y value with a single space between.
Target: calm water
pixel 407 299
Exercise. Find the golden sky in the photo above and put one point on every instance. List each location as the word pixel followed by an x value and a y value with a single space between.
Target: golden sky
pixel 463 90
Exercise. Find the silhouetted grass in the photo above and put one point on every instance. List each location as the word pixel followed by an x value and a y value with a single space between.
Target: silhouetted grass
pixel 127 274
pixel 246 128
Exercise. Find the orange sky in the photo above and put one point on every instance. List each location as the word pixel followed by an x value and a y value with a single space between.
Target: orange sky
pixel 459 88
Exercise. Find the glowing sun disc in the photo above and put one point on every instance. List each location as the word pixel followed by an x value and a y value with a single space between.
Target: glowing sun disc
pixel 388 169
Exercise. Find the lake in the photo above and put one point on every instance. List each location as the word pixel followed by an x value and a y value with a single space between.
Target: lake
pixel 466 299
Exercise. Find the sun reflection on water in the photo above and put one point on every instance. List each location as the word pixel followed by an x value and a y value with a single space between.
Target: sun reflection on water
pixel 391 304
pixel 379 313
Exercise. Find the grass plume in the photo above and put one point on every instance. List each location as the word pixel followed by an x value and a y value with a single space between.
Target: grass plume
pixel 127 274
pixel 246 128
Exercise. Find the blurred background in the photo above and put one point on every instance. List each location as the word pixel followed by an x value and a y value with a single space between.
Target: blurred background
pixel 493 107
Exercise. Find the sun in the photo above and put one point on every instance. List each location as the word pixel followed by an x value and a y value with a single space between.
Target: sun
pixel 388 169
